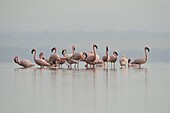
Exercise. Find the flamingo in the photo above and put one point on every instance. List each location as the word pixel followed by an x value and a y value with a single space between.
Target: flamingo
pixel 123 61
pixel 67 58
pixel 41 56
pixel 39 61
pixel 105 58
pixel 98 61
pixel 92 57
pixel 113 58
pixel 54 57
pixel 140 61
pixel 85 58
pixel 76 56
pixel 25 63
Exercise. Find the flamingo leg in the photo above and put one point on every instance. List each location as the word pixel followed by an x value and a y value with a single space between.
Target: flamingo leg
pixel 139 66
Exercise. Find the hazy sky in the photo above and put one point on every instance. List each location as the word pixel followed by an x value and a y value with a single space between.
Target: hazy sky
pixel 87 15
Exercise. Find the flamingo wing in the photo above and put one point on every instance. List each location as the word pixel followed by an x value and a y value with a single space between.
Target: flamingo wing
pixel 54 58
pixel 138 61
pixel 113 58
pixel 76 56
pixel 26 63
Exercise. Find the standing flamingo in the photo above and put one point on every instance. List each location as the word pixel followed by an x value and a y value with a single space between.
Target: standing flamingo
pixel 25 63
pixel 67 58
pixel 76 56
pixel 39 61
pixel 54 57
pixel 140 61
pixel 105 58
pixel 91 58
pixel 113 58
pixel 123 61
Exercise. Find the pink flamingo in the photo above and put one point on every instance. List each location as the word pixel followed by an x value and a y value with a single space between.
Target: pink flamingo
pixel 123 61
pixel 54 57
pixel 91 57
pixel 140 61
pixel 39 61
pixel 67 58
pixel 113 58
pixel 76 56
pixel 105 58
pixel 25 63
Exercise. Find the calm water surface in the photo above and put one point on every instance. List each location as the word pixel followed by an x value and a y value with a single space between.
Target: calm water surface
pixel 133 90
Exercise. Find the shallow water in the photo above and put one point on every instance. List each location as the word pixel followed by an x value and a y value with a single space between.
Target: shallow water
pixel 97 90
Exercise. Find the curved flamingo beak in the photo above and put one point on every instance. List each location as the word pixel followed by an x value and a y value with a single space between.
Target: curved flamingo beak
pixel 15 59
pixel 53 49
pixel 129 60
pixel 107 48
pixel 147 49
pixel 63 51
pixel 84 53
pixel 115 53
pixel 95 46
pixel 32 51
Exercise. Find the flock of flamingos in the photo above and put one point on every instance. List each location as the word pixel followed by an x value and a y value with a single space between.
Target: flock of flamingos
pixel 91 59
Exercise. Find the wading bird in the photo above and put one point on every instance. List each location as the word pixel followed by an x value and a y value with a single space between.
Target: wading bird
pixel 25 63
pixel 76 56
pixel 91 58
pixel 140 61
pixel 113 58
pixel 68 59
pixel 123 61
pixel 38 61
pixel 105 58
pixel 54 57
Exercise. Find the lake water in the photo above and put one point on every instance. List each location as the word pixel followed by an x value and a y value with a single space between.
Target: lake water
pixel 99 90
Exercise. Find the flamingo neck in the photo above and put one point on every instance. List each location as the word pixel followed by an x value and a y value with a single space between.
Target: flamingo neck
pixel 34 55
pixel 94 50
pixel 107 55
pixel 73 50
pixel 146 56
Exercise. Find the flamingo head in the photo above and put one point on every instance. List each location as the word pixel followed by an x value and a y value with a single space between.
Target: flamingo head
pixel 33 50
pixel 95 46
pixel 64 51
pixel 53 49
pixel 41 55
pixel 16 59
pixel 84 53
pixel 147 48
pixel 129 60
pixel 115 53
